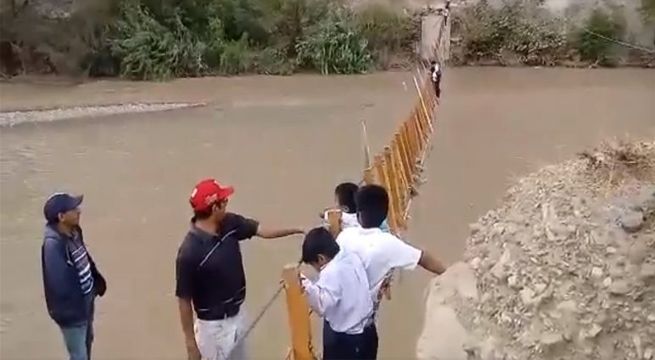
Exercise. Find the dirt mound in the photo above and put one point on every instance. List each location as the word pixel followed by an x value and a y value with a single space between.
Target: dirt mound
pixel 564 269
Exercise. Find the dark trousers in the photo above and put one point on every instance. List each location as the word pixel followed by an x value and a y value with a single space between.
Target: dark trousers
pixel 341 346
pixel 437 87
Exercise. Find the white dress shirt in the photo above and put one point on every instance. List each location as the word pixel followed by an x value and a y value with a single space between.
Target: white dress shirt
pixel 380 252
pixel 347 220
pixel 341 294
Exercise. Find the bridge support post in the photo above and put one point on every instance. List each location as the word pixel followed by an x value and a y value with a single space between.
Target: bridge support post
pixel 298 312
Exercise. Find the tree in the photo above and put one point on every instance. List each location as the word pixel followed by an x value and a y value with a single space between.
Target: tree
pixel 648 10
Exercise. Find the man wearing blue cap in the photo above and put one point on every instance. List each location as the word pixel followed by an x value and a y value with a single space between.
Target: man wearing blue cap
pixel 70 278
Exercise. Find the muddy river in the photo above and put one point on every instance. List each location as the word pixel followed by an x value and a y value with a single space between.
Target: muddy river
pixel 284 142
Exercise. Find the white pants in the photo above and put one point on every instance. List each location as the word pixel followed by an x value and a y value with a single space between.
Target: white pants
pixel 217 338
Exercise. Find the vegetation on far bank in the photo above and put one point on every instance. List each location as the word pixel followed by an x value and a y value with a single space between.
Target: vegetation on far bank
pixel 161 39
pixel 523 32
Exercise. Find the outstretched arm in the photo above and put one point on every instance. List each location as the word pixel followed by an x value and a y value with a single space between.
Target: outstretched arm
pixel 404 255
pixel 431 264
pixel 247 228
pixel 270 233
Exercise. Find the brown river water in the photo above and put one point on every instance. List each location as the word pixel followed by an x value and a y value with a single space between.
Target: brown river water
pixel 284 142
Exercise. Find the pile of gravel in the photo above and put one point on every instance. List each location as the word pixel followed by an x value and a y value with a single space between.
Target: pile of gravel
pixel 564 269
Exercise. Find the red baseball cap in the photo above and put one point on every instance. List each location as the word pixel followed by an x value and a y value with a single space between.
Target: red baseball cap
pixel 207 192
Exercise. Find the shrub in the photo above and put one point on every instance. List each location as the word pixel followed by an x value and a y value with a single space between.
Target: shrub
pixel 518 29
pixel 590 42
pixel 148 49
pixel 386 31
pixel 235 57
pixel 647 10
pixel 242 17
pixel 215 43
pixel 290 18
pixel 334 46
pixel 272 61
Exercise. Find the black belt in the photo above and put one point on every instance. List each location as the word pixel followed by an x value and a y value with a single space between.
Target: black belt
pixel 220 312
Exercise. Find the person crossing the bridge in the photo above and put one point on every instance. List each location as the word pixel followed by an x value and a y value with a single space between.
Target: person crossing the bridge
pixel 210 277
pixel 435 76
pixel 340 295
pixel 381 252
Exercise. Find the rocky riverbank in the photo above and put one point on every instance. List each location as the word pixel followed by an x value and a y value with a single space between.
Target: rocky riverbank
pixel 564 269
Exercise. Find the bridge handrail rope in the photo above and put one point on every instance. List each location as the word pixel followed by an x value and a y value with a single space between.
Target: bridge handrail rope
pixel 398 169
pixel 259 316
pixel 619 42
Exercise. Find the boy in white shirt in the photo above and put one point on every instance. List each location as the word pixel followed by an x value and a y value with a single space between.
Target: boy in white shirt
pixel 340 295
pixel 344 198
pixel 381 252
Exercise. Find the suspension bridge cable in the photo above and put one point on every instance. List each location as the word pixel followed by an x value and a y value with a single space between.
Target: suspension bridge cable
pixel 259 316
pixel 619 42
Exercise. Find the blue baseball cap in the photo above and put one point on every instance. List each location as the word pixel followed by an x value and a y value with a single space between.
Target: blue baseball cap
pixel 59 203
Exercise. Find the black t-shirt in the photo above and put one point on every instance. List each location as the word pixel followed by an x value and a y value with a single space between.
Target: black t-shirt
pixel 209 268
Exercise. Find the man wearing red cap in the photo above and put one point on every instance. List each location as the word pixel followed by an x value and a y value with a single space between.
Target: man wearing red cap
pixel 209 274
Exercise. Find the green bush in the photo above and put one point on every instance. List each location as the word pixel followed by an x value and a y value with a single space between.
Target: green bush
pixel 334 46
pixel 149 50
pixel 289 20
pixel 235 57
pixel 215 43
pixel 242 17
pixel 272 61
pixel 519 29
pixel 386 31
pixel 590 43
pixel 647 10
pixel 162 39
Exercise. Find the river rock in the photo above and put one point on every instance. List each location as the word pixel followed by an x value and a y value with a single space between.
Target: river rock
pixel 527 296
pixel 632 221
pixel 551 339
pixel 591 332
pixel 607 282
pixel 596 272
pixel 647 272
pixel 646 200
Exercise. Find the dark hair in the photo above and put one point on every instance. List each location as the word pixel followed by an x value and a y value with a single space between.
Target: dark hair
pixel 206 213
pixel 318 241
pixel 345 193
pixel 201 214
pixel 372 205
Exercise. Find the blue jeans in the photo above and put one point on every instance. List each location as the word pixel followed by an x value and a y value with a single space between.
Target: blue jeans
pixel 78 339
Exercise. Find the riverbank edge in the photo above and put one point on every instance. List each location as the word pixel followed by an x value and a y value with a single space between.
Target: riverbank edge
pixel 63 80
pixel 13 118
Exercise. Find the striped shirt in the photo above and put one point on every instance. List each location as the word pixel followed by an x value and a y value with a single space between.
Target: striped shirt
pixel 80 259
